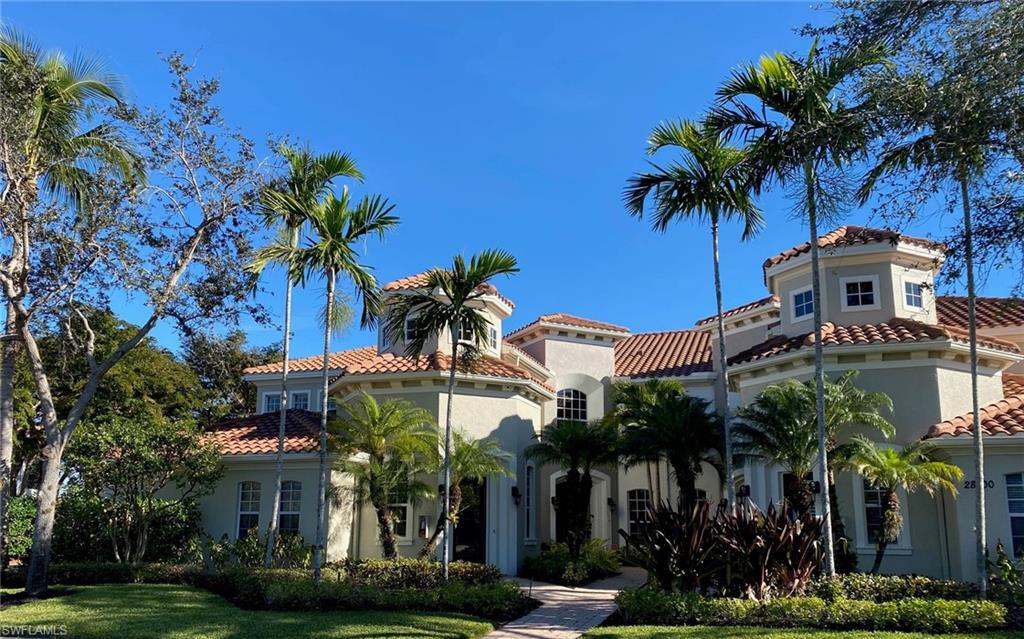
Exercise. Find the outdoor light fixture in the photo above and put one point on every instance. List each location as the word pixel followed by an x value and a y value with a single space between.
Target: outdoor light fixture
pixel 516 495
pixel 611 503
pixel 554 502
pixel 816 487
pixel 744 491
pixel 440 489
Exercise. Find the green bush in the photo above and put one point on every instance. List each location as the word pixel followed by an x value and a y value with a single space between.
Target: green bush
pixel 17 533
pixel 555 566
pixel 641 606
pixel 882 588
pixel 103 572
pixel 412 573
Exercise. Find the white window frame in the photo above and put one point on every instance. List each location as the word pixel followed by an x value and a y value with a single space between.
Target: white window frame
pixel 330 400
pixel 240 512
pixel 492 336
pixel 407 537
pixel 466 335
pixel 293 394
pixel 859 279
pixel 1011 515
pixel 295 503
pixel 864 545
pixel 582 398
pixel 631 501
pixel 794 318
pixel 407 332
pixel 916 282
pixel 269 396
pixel 530 503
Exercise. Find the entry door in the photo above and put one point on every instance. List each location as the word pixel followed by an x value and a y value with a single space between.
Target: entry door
pixel 471 533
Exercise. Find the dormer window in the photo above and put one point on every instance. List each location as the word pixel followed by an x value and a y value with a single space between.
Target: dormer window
pixel 803 303
pixel 466 334
pixel 913 294
pixel 859 293
pixel 493 337
pixel 410 329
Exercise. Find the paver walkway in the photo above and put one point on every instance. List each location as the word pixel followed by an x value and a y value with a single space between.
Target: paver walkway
pixel 566 612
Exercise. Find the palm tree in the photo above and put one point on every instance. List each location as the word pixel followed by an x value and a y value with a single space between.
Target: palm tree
pixel 399 442
pixel 308 181
pixel 577 447
pixel 472 459
pixel 337 227
pixel 910 468
pixel 711 184
pixel 633 404
pixel 798 129
pixel 778 428
pixel 449 302
pixel 675 426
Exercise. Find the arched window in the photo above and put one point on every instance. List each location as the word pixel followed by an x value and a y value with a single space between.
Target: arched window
pixel 248 507
pixel 291 505
pixel 572 405
pixel 638 501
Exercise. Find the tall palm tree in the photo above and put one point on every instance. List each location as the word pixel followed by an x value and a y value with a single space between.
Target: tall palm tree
pixel 578 448
pixel 633 403
pixel 679 428
pixel 337 226
pixel 308 181
pixel 399 442
pixel 910 468
pixel 798 128
pixel 712 184
pixel 449 302
pixel 472 459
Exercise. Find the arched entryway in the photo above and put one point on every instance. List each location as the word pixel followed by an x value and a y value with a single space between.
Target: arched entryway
pixel 600 512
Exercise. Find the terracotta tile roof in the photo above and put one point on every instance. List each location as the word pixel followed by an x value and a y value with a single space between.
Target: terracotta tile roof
pixel 896 330
pixel 257 434
pixel 989 311
pixel 366 361
pixel 764 301
pixel 666 354
pixel 564 319
pixel 1005 417
pixel 419 280
pixel 851 236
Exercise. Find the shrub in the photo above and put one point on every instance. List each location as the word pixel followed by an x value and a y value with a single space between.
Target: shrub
pixel 17 532
pixel 674 546
pixel 881 588
pixel 412 573
pixel 921 615
pixel 290 551
pixel 1007 579
pixel 555 565
pixel 103 572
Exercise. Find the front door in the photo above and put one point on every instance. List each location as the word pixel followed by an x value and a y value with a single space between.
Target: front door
pixel 471 533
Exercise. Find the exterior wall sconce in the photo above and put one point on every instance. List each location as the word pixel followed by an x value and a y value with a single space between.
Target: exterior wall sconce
pixel 611 503
pixel 744 491
pixel 516 495
pixel 816 487
pixel 554 502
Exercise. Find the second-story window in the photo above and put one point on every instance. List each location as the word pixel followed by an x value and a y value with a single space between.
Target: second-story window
pixel 466 334
pixel 803 304
pixel 493 336
pixel 271 402
pixel 860 293
pixel 572 405
pixel 913 294
pixel 300 400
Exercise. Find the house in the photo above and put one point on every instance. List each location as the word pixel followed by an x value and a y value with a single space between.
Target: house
pixel 880 316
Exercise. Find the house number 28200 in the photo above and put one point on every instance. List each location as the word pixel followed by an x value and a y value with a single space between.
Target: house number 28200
pixel 971 484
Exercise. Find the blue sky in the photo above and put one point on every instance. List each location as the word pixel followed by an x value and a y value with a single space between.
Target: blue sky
pixel 489 125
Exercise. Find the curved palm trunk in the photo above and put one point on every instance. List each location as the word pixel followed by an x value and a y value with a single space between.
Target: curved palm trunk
pixel 819 368
pixel 447 506
pixel 979 446
pixel 279 468
pixel 723 410
pixel 892 523
pixel 321 493
pixel 686 482
pixel 578 516
pixel 456 503
pixel 657 478
pixel 384 531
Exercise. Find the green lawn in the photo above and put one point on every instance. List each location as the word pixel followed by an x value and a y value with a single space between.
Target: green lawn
pixel 137 611
pixel 717 632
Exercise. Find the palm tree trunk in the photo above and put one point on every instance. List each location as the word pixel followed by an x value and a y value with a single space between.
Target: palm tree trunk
pixel 321 493
pixel 819 367
pixel 972 331
pixel 880 547
pixel 8 353
pixel 456 503
pixel 279 469
pixel 447 506
pixel 650 481
pixel 723 410
pixel 384 531
pixel 657 477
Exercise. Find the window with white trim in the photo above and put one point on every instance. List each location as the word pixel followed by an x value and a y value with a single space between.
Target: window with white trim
pixel 913 294
pixel 466 334
pixel 1015 506
pixel 299 400
pixel 638 501
pixel 410 329
pixel 332 403
pixel 803 303
pixel 528 503
pixel 859 293
pixel 398 506
pixel 248 507
pixel 572 405
pixel 492 337
pixel 271 402
pixel 874 506
pixel 291 506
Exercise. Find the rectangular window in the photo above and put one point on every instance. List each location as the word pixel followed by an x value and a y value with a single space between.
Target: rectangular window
pixel 638 501
pixel 271 402
pixel 248 507
pixel 291 505
pixel 300 401
pixel 872 512
pixel 466 334
pixel 493 333
pixel 410 329
pixel 803 304
pixel 398 506
pixel 914 293
pixel 1015 506
pixel 860 293
pixel 528 504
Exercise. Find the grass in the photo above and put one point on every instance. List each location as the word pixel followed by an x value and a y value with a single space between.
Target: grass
pixel 742 632
pixel 182 612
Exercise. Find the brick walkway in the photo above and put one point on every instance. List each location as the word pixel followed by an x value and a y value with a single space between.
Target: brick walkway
pixel 567 613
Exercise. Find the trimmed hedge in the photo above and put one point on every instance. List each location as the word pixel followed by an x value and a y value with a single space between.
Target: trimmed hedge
pixel 411 573
pixel 554 565
pixel 100 572
pixel 882 588
pixel 642 607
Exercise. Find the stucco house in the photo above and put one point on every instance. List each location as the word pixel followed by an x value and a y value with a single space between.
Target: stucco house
pixel 881 317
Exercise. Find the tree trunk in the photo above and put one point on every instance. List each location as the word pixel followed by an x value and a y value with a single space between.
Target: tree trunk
pixel 892 523
pixel 447 461
pixel 723 410
pixel 972 330
pixel 819 368
pixel 456 503
pixel 657 478
pixel 46 506
pixel 880 546
pixel 8 353
pixel 686 482
pixel 384 531
pixel 321 493
pixel 650 481
pixel 279 468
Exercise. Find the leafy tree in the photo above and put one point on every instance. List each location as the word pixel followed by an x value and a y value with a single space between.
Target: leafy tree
pixel 447 303
pixel 218 362
pixel 399 442
pixel 337 226
pixel 799 128
pixel 472 459
pixel 711 184
pixel 578 448
pixel 129 461
pixel 910 468
pixel 309 179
